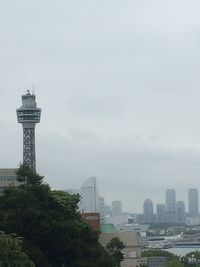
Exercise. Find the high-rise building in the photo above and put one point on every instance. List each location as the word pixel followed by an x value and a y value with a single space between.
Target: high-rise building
pixel 193 203
pixel 102 209
pixel 160 213
pixel 116 207
pixel 28 114
pixel 148 211
pixel 180 212
pixel 170 206
pixel 89 196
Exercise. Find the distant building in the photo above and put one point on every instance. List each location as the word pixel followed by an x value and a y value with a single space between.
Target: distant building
pixel 180 212
pixel 141 229
pixel 131 220
pixel 108 210
pixel 93 219
pixel 160 213
pixel 170 206
pixel 117 219
pixel 89 196
pixel 132 251
pixel 8 178
pixel 102 209
pixel 193 202
pixel 139 218
pixel 156 262
pixel 148 211
pixel 116 207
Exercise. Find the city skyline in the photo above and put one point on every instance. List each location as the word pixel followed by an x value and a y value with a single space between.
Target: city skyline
pixel 171 201
pixel 120 95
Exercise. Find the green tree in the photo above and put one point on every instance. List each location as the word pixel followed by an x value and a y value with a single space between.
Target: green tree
pixel 114 248
pixel 160 253
pixel 11 254
pixel 172 260
pixel 175 263
pixel 193 254
pixel 28 177
pixel 53 230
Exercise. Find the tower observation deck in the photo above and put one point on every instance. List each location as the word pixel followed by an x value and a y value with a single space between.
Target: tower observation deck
pixel 28 114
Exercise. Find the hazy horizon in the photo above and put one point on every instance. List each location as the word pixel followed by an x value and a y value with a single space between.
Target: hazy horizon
pixel 119 87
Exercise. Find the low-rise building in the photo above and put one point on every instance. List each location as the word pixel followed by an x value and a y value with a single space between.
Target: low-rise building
pixel 156 262
pixel 93 219
pixel 132 251
pixel 8 177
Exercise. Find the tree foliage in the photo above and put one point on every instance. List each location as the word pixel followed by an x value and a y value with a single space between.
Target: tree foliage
pixel 51 225
pixel 28 177
pixel 115 247
pixel 160 253
pixel 172 260
pixel 11 254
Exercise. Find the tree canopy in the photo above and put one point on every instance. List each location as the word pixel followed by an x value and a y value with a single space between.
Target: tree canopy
pixel 115 248
pixel 53 230
pixel 11 254
pixel 172 260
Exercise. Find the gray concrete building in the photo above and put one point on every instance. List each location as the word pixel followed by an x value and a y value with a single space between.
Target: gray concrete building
pixel 116 207
pixel 180 212
pixel 160 213
pixel 8 178
pixel 102 209
pixel 148 211
pixel 193 202
pixel 132 251
pixel 156 262
pixel 170 206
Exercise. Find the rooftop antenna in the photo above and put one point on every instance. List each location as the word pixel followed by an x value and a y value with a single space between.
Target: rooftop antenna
pixel 33 89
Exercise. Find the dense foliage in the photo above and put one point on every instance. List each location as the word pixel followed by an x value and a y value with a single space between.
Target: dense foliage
pixel 172 260
pixel 115 248
pixel 53 230
pixel 190 259
pixel 11 253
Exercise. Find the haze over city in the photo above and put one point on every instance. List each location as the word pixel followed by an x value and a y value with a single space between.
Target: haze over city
pixel 119 87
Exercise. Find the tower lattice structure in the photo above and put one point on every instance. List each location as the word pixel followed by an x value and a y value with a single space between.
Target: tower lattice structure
pixel 28 114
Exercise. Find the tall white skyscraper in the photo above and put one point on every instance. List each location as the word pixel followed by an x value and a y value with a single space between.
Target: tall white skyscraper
pixel 193 202
pixel 170 206
pixel 89 196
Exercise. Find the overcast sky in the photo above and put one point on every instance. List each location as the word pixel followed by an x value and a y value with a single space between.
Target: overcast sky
pixel 119 87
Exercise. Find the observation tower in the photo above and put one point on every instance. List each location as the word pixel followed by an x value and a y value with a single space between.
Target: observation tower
pixel 28 114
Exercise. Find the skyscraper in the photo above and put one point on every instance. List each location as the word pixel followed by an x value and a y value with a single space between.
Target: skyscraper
pixel 102 209
pixel 193 205
pixel 116 207
pixel 160 213
pixel 89 196
pixel 28 114
pixel 148 211
pixel 180 212
pixel 170 206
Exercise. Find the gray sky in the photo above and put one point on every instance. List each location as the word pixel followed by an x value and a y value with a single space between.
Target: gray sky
pixel 119 87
